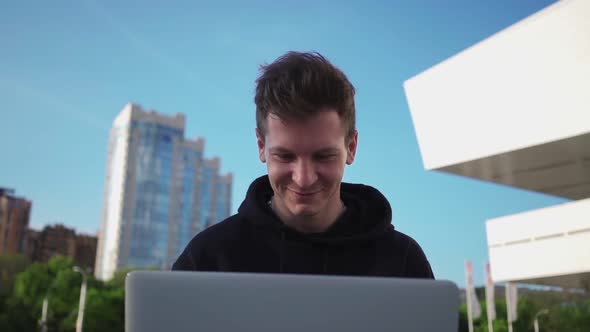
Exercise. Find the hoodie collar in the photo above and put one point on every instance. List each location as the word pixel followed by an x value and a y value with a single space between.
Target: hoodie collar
pixel 367 215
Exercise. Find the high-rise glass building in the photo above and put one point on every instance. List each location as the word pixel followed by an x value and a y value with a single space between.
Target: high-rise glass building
pixel 159 192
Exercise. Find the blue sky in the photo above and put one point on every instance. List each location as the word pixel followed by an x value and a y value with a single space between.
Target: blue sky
pixel 68 67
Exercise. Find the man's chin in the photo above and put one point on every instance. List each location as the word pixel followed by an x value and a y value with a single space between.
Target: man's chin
pixel 304 211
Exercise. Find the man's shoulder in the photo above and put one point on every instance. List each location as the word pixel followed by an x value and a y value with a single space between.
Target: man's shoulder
pixel 222 231
pixel 404 243
pixel 396 238
pixel 201 251
pixel 408 252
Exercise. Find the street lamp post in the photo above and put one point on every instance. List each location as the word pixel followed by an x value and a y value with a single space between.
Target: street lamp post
pixel 43 321
pixel 80 319
pixel 536 321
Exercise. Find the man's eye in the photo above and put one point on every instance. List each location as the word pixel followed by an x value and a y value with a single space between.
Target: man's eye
pixel 283 156
pixel 326 157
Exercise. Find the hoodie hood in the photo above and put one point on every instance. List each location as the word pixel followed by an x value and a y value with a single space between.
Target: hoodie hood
pixel 367 215
pixel 362 241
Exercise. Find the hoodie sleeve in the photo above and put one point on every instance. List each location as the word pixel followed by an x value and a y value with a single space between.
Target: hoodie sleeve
pixel 417 265
pixel 194 258
pixel 184 262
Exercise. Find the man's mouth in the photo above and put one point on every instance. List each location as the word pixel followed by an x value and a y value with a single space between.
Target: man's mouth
pixel 304 193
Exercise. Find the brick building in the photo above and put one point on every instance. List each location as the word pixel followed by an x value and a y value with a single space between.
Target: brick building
pixel 14 222
pixel 60 240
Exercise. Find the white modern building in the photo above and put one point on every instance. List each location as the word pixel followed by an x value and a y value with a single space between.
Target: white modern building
pixel 160 191
pixel 514 109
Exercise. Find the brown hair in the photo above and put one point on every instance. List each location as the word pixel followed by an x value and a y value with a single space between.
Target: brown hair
pixel 297 85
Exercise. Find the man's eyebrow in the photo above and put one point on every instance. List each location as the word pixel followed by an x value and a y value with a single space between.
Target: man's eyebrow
pixel 279 149
pixel 328 150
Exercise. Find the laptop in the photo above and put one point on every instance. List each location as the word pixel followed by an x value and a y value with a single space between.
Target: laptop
pixel 182 301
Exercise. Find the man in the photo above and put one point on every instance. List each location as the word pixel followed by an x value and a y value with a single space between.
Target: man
pixel 300 218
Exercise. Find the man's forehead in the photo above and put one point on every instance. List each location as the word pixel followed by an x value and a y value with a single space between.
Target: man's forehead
pixel 285 149
pixel 325 117
pixel 320 132
pixel 274 118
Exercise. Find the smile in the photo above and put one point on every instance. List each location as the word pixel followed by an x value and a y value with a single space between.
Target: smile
pixel 303 194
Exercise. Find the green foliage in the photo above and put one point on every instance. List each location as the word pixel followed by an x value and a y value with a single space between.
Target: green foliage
pixel 15 316
pixel 118 279
pixel 10 266
pixel 20 308
pixel 569 316
pixel 31 283
pixel 105 310
pixel 573 317
pixel 21 304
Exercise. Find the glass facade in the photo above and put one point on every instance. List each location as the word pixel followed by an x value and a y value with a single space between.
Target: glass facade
pixel 158 192
pixel 222 203
pixel 190 162
pixel 207 182
pixel 153 188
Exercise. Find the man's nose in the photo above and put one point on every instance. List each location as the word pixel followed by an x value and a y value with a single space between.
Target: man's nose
pixel 304 174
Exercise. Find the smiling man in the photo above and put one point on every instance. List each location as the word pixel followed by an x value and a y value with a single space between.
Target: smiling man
pixel 301 217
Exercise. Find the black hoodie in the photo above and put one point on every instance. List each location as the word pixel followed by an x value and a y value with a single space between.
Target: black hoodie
pixel 362 242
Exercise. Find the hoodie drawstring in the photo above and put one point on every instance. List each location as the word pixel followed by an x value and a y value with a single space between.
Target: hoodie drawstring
pixel 324 261
pixel 324 255
pixel 281 251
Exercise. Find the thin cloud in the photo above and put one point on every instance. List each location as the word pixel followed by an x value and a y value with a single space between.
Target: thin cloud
pixel 52 103
pixel 146 47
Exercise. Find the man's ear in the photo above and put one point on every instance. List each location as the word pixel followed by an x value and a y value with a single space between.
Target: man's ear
pixel 260 141
pixel 351 148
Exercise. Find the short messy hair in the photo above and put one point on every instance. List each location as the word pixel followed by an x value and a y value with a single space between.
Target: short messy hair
pixel 297 85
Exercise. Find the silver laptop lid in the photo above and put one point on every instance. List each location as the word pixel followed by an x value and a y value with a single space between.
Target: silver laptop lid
pixel 210 301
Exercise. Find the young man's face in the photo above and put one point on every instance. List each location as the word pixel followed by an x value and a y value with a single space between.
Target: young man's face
pixel 305 161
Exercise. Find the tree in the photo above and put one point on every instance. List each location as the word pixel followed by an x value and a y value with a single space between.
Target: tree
pixel 10 266
pixel 567 312
pixel 572 316
pixel 57 281
pixel 20 309
pixel 105 310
